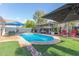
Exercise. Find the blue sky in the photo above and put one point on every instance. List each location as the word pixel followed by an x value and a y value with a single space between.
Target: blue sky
pixel 22 11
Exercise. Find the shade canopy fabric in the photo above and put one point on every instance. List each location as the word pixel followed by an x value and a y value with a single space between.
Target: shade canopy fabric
pixel 12 23
pixel 67 12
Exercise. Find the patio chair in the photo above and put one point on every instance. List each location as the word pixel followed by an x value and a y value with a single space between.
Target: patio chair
pixel 63 33
pixel 73 34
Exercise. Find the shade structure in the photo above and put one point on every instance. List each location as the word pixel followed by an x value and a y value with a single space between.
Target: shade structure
pixel 14 23
pixel 65 13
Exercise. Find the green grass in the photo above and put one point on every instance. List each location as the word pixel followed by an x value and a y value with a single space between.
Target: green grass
pixel 68 47
pixel 12 49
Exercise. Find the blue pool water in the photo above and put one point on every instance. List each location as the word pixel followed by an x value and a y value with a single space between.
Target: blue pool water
pixel 37 37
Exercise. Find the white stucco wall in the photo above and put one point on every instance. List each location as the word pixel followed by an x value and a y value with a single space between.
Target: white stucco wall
pixel 24 29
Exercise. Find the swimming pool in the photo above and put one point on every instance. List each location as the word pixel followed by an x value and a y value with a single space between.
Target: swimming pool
pixel 37 37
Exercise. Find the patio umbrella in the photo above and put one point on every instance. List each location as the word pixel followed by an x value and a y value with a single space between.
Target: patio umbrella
pixel 66 13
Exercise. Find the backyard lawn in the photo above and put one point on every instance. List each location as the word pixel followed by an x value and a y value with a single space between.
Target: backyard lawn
pixel 68 47
pixel 12 49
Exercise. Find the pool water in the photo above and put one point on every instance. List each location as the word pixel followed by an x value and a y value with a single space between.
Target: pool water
pixel 37 37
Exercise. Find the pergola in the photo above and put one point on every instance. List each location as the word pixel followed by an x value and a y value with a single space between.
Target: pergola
pixel 67 12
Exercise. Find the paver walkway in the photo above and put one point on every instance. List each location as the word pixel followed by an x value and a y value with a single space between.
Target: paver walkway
pixel 33 51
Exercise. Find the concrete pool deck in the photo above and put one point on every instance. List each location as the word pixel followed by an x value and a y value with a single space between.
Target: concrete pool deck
pixel 8 38
pixel 17 38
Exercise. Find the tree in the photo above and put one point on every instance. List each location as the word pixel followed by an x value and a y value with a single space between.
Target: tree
pixel 29 24
pixel 38 17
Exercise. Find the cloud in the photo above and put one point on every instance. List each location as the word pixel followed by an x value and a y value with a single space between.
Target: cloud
pixel 20 20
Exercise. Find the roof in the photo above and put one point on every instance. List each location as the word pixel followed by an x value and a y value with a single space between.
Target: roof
pixel 62 12
pixel 6 20
pixel 10 22
pixel 1 19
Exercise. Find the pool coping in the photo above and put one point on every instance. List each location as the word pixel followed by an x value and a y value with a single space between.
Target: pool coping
pixel 25 42
pixel 56 40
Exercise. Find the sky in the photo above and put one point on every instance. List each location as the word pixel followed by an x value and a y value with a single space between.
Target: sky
pixel 24 11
